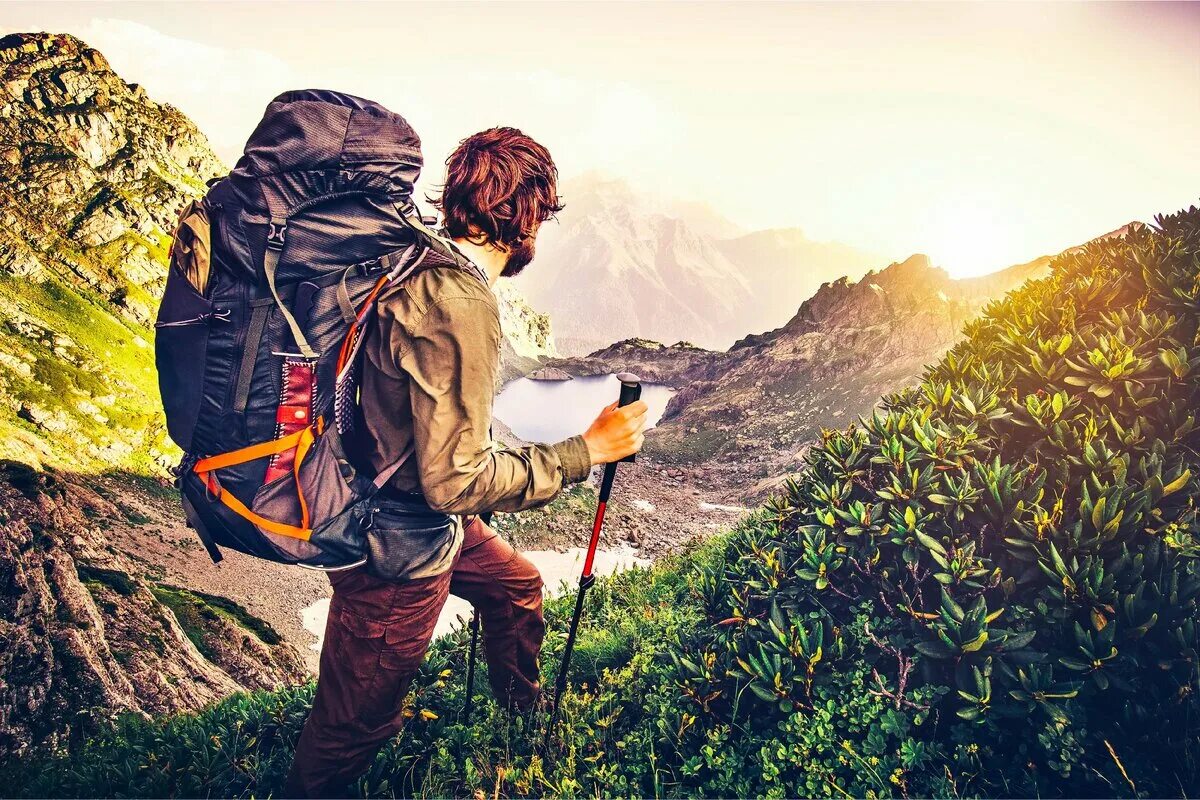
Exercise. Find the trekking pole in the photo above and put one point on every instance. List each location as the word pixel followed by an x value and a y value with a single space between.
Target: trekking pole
pixel 469 702
pixel 631 390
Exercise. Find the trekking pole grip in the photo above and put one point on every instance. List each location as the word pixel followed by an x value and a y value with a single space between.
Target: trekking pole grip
pixel 631 391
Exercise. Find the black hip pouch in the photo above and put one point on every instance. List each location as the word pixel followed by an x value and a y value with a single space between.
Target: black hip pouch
pixel 407 540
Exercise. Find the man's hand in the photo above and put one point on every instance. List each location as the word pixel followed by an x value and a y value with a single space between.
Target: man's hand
pixel 617 432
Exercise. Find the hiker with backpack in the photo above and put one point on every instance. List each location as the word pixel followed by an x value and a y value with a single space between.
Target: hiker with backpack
pixel 327 363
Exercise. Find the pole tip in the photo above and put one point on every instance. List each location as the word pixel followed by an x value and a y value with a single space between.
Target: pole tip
pixel 628 377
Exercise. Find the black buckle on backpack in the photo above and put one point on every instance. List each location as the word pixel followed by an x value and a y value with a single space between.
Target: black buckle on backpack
pixel 276 235
pixel 181 470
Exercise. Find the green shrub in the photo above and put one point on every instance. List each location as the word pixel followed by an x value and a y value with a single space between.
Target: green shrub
pixel 1022 529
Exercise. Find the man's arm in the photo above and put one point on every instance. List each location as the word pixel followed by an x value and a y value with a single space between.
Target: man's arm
pixel 451 356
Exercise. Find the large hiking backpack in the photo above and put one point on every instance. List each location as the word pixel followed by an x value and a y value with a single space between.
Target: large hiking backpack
pixel 273 275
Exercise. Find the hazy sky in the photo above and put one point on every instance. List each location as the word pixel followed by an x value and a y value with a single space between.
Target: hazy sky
pixel 981 134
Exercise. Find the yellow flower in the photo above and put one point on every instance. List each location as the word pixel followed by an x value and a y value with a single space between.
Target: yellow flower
pixel 427 714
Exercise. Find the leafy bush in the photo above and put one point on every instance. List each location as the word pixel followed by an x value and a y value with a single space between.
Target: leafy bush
pixel 988 588
pixel 1020 533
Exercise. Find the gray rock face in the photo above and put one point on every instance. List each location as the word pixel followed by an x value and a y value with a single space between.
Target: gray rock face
pixel 527 335
pixel 93 174
pixel 85 638
pixel 549 374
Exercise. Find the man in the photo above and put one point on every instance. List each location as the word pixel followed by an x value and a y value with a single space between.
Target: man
pixel 432 359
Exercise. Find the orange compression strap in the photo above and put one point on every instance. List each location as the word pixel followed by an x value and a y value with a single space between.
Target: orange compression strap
pixel 254 451
pixel 301 440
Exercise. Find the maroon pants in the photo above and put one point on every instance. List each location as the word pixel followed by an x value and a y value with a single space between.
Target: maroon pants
pixel 377 634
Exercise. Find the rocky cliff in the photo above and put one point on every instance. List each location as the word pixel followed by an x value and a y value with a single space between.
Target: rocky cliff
pixel 527 336
pixel 92 173
pixel 87 634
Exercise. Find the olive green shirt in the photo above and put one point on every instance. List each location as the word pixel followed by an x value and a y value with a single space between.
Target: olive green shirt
pixel 432 359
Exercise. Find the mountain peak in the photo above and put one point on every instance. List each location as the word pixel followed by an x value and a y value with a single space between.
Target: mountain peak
pixel 918 266
pixel 28 51
pixel 39 42
pixel 779 237
pixel 96 167
pixel 844 302
pixel 58 72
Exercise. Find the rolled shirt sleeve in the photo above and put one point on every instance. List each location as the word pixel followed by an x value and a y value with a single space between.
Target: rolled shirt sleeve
pixel 451 357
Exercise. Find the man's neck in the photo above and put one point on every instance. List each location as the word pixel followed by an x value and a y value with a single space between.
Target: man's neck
pixel 486 257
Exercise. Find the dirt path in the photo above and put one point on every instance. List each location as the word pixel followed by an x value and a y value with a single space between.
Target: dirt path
pixel 170 552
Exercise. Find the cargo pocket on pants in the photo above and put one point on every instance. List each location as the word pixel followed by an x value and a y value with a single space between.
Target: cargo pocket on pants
pixel 378 678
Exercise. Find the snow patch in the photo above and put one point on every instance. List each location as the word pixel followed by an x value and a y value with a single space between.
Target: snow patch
pixel 718 507
pixel 313 619
pixel 560 573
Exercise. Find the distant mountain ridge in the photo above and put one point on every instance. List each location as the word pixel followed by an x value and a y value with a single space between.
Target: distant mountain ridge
pixel 745 416
pixel 623 263
pixel 615 267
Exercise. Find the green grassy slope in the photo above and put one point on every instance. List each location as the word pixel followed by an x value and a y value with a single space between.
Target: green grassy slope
pixel 988 589
pixel 81 388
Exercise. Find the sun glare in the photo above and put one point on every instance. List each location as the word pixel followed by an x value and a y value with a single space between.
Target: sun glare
pixel 969 239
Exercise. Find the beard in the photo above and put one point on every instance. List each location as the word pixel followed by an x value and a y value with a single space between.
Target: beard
pixel 518 259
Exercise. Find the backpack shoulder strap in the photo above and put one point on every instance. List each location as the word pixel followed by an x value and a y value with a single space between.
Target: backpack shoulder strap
pixel 276 241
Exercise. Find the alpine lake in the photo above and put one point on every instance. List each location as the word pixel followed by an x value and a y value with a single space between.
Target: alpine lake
pixel 552 410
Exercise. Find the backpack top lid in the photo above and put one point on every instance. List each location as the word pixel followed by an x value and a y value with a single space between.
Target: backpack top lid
pixel 318 130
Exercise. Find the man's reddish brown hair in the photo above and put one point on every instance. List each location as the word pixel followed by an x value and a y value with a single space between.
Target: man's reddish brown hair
pixel 500 184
